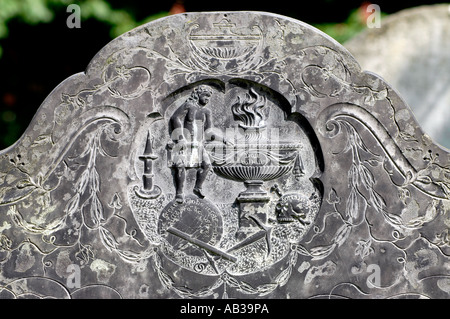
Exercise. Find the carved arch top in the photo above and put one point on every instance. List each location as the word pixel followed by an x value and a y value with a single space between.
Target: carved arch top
pixel 225 153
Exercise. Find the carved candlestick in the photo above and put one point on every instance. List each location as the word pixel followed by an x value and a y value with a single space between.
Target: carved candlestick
pixel 148 190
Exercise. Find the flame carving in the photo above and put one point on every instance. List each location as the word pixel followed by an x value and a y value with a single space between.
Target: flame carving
pixel 248 110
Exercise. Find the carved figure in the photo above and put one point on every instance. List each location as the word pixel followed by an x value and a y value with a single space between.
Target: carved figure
pixel 189 124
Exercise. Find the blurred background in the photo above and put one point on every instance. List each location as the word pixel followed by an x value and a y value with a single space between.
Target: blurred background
pixel 38 50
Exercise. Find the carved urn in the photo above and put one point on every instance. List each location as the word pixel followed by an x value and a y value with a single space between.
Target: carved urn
pixel 254 157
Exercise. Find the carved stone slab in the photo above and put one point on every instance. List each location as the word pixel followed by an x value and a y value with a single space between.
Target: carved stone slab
pixel 410 51
pixel 215 155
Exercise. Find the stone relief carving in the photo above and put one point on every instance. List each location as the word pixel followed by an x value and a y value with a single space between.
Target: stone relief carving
pixel 216 155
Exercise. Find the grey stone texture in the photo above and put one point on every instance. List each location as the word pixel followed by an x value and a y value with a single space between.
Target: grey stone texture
pixel 411 52
pixel 224 155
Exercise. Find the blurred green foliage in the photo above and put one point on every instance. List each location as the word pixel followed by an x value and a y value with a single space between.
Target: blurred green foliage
pixel 43 11
pixel 19 98
pixel 355 23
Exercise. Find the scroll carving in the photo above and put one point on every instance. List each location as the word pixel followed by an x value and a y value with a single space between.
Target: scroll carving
pixel 217 155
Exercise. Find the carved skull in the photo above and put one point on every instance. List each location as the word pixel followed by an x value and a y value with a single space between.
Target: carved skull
pixel 291 208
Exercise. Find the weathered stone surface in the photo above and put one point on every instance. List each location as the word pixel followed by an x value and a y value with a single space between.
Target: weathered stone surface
pixel 411 52
pixel 214 155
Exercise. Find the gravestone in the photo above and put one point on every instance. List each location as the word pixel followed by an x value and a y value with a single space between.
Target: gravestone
pixel 411 52
pixel 224 155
